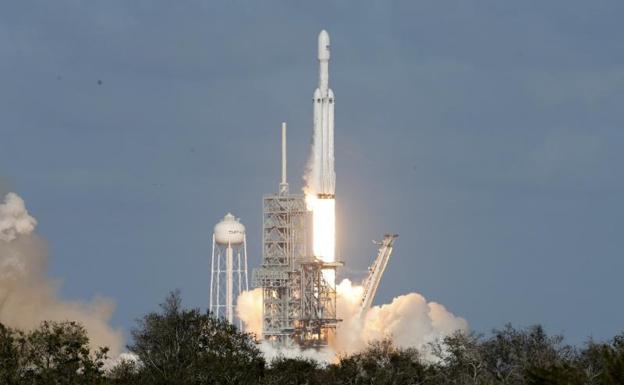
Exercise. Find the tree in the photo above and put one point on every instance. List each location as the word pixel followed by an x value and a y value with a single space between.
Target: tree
pixel 558 374
pixel 58 353
pixel 461 359
pixel 125 372
pixel 12 344
pixel 178 346
pixel 604 362
pixel 510 352
pixel 381 363
pixel 294 371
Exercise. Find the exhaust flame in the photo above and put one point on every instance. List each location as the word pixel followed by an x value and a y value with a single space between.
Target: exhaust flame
pixel 323 231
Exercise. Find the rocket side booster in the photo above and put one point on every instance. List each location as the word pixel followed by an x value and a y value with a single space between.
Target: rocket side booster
pixel 323 173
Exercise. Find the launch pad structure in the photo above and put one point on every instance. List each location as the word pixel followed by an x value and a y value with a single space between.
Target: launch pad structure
pixel 299 304
pixel 298 287
pixel 298 271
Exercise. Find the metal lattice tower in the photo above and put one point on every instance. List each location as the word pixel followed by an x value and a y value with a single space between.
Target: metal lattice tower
pixel 284 241
pixel 299 306
pixel 228 277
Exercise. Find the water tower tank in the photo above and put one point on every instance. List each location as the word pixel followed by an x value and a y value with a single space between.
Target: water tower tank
pixel 229 231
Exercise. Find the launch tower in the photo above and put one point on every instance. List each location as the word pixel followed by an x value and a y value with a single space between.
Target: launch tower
pixel 299 304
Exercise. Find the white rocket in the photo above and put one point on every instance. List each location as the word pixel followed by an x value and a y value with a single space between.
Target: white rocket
pixel 323 176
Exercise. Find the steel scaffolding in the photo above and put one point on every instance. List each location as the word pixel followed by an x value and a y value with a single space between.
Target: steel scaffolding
pixel 299 305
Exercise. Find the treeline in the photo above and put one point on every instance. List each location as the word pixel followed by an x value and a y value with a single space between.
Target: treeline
pixel 177 346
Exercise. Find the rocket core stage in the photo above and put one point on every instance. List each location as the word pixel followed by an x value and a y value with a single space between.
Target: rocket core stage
pixel 323 176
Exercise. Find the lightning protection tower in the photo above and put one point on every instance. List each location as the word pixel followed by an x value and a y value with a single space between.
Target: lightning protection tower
pixel 228 276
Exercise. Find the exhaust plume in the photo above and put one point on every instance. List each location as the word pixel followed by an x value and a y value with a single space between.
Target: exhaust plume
pixel 249 310
pixel 28 296
pixel 408 321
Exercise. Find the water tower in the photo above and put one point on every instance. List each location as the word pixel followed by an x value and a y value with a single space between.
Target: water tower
pixel 228 276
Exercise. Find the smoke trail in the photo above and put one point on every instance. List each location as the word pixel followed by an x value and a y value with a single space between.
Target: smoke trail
pixel 27 296
pixel 409 321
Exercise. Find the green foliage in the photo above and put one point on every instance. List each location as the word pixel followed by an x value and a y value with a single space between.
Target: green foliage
pixel 56 353
pixel 381 363
pixel 12 344
pixel 509 352
pixel 558 374
pixel 610 357
pixel 126 372
pixel 294 371
pixel 177 346
pixel 462 359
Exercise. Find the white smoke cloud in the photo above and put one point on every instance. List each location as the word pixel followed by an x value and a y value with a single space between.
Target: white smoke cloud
pixel 409 321
pixel 14 218
pixel 28 296
pixel 249 310
pixel 125 357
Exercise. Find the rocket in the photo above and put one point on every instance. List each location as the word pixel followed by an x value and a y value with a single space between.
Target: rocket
pixel 323 174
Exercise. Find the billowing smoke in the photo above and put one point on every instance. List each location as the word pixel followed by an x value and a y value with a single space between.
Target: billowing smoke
pixel 409 321
pixel 249 310
pixel 28 296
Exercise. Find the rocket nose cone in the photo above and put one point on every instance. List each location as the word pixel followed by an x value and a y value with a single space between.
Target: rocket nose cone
pixel 323 45
pixel 323 36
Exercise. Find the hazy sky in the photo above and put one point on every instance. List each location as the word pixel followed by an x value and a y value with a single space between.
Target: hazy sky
pixel 488 134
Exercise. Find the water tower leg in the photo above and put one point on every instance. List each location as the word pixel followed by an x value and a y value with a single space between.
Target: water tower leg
pixel 245 258
pixel 229 285
pixel 212 273
pixel 219 304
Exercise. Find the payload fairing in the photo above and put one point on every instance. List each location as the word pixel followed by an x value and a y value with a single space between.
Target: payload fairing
pixel 323 176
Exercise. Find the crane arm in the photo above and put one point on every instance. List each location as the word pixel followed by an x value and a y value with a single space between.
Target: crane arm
pixel 375 272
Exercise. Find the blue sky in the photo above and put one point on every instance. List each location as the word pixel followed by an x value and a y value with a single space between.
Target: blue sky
pixel 487 134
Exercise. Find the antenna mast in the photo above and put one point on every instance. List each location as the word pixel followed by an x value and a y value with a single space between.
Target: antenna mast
pixel 283 188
